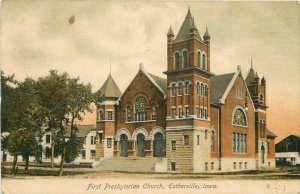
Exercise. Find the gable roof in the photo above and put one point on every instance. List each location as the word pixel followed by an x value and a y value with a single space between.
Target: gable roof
pixel 158 82
pixel 219 84
pixel 109 88
pixel 83 130
pixel 184 32
pixel 161 82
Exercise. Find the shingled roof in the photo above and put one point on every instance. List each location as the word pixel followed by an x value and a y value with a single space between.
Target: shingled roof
pixel 219 83
pixel 160 81
pixel 109 89
pixel 250 77
pixel 270 133
pixel 184 32
pixel 83 130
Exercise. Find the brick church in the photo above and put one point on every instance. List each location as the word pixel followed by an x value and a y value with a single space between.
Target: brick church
pixel 194 121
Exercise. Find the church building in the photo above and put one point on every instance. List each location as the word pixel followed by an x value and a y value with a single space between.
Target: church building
pixel 194 120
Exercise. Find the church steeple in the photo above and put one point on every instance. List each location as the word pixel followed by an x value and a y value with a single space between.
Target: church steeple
pixel 187 25
pixel 109 90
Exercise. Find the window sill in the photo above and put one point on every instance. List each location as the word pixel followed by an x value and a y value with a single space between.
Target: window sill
pixel 104 121
pixel 240 126
pixel 240 153
pixel 146 121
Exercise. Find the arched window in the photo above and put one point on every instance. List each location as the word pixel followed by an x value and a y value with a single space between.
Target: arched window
pixel 100 115
pixel 185 58
pixel 205 90
pixel 153 113
pixel 187 87
pixel 180 88
pixel 202 89
pixel 173 89
pixel 176 60
pixel 199 59
pixel 212 141
pixel 128 114
pixel 140 108
pixel 261 98
pixel 198 88
pixel 204 65
pixel 239 117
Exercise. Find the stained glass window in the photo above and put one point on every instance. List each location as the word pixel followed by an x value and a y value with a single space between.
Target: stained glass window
pixel 128 112
pixel 140 108
pixel 153 113
pixel 239 118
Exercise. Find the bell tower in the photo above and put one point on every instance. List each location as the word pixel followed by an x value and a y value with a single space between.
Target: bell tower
pixel 188 95
pixel 257 89
pixel 107 101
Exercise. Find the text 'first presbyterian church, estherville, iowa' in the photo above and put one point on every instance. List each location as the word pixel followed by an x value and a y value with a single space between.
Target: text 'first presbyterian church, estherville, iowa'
pixel 193 121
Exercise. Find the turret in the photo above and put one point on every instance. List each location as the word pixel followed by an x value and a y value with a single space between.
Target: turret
pixel 263 81
pixel 193 29
pixel 256 78
pixel 107 100
pixel 170 35
pixel 206 36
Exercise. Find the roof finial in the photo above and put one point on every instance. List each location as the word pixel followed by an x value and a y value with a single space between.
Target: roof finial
pixel 251 63
pixel 141 66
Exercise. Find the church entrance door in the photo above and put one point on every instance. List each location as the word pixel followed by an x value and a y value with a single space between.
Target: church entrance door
pixel 141 145
pixel 158 145
pixel 124 145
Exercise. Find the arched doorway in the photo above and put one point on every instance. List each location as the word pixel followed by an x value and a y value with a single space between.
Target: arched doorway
pixel 158 145
pixel 124 145
pixel 262 154
pixel 141 145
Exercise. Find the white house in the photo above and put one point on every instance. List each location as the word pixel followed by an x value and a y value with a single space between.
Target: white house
pixel 87 155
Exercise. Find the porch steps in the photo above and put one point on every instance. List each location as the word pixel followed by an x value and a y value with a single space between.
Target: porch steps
pixel 127 164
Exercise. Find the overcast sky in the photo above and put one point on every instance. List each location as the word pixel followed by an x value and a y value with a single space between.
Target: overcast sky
pixel 36 36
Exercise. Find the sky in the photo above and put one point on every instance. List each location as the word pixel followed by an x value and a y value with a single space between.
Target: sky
pixel 37 36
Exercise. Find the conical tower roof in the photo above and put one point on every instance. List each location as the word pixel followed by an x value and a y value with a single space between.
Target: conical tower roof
pixel 184 32
pixel 109 89
pixel 170 33
pixel 206 35
pixel 251 75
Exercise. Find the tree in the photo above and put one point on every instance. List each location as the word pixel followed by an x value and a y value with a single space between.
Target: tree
pixel 64 101
pixel 27 121
pixel 52 91
pixel 22 142
pixel 8 113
